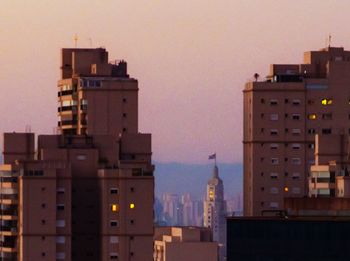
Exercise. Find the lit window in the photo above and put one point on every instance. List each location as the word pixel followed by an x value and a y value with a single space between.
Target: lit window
pixel 286 189
pixel 81 157
pixel 312 116
pixel 132 205
pixel 115 207
pixel 326 101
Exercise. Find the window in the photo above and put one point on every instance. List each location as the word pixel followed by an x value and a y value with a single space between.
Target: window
pixel 113 255
pixel 327 131
pixel 274 175
pixel 60 239
pixel 113 190
pixel 310 102
pixel 114 207
pixel 296 190
pixel 273 102
pixel 286 100
pixel 296 146
pixel 296 102
pixel 274 146
pixel 296 116
pixel 60 255
pixel 274 190
pixel 81 157
pixel 274 132
pixel 326 101
pixel 312 116
pixel 311 131
pixel 60 206
pixel 274 117
pixel 296 161
pixel 296 175
pixel 132 205
pixel 327 116
pixel 60 223
pixel 274 205
pixel 274 161
pixel 60 190
pixel 124 115
pixel 113 223
pixel 43 221
pixel 124 100
pixel 262 115
pixel 113 239
pixel 296 132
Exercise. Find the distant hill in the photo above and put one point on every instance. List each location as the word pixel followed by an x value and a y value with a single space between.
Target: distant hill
pixel 181 178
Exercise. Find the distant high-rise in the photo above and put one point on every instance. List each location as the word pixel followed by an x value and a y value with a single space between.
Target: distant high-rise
pixel 282 114
pixel 215 210
pixel 87 194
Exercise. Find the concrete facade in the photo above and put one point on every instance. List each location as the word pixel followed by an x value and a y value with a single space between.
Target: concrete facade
pixel 185 244
pixel 79 196
pixel 281 117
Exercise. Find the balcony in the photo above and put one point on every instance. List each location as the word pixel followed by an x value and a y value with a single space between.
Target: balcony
pixel 64 93
pixel 72 108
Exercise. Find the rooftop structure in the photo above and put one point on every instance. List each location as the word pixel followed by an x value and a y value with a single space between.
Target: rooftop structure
pixel 282 114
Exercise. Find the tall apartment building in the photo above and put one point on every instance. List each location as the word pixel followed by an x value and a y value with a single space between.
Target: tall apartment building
pixel 86 194
pixel 281 117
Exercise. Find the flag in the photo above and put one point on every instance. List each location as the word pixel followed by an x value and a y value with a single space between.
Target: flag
pixel 213 156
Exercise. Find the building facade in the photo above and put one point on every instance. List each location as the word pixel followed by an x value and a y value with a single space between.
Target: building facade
pixel 215 210
pixel 281 117
pixel 88 193
pixel 185 244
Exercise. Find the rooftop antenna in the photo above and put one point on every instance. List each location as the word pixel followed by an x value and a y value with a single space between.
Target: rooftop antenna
pixel 75 40
pixel 329 40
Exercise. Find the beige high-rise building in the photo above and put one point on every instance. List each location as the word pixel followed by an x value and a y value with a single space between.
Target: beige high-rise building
pixel 282 114
pixel 86 194
pixel 185 244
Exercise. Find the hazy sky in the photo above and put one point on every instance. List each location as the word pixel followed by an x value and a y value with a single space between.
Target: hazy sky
pixel 191 57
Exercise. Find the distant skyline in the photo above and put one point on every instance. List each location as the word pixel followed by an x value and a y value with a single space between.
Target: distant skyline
pixel 191 58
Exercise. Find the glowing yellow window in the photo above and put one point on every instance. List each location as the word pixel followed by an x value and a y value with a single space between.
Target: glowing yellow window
pixel 286 189
pixel 211 194
pixel 132 205
pixel 312 116
pixel 115 207
pixel 327 101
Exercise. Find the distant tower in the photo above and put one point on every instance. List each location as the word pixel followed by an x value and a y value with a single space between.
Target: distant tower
pixel 215 209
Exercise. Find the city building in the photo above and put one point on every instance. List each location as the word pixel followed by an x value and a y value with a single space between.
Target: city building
pixel 288 238
pixel 215 211
pixel 329 176
pixel 88 193
pixel 185 244
pixel 282 114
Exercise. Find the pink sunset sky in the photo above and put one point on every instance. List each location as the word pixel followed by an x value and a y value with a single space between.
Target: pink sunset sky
pixel 191 57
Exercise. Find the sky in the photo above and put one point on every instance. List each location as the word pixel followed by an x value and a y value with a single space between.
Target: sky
pixel 191 57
